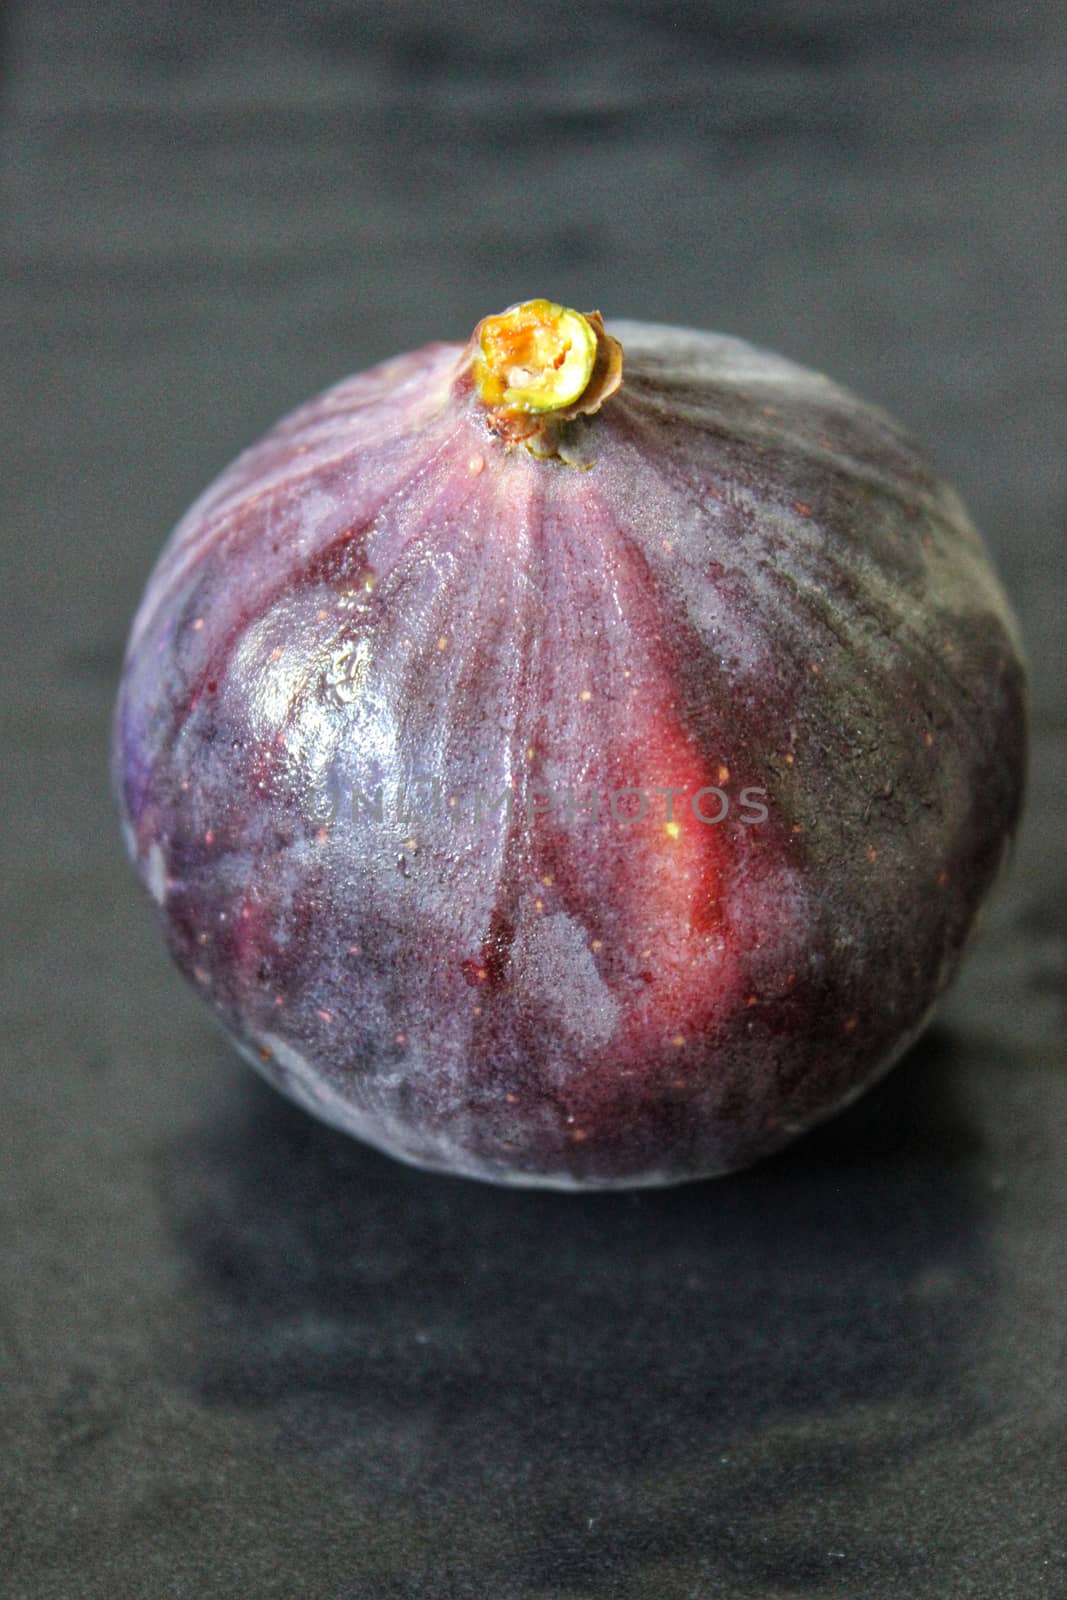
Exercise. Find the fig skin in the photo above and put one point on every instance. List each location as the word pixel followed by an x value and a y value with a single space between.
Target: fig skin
pixel 734 575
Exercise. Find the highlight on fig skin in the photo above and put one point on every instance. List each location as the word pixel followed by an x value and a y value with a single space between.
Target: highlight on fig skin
pixel 735 574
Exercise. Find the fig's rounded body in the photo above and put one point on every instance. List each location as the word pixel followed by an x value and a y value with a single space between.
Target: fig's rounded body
pixel 595 820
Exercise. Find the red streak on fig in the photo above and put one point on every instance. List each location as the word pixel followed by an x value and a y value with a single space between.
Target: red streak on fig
pixel 555 781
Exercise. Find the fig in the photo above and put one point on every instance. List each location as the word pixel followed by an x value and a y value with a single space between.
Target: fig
pixel 576 756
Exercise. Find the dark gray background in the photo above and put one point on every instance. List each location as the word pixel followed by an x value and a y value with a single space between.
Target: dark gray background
pixel 244 1356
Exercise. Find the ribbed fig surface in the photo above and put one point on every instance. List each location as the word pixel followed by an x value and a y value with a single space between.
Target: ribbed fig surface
pixel 597 817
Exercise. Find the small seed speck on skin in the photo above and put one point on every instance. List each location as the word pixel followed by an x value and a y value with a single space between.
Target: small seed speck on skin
pixel 442 643
pixel 475 465
pixel 198 624
pixel 586 694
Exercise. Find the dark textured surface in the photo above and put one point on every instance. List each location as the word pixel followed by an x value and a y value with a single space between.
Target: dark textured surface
pixel 244 1356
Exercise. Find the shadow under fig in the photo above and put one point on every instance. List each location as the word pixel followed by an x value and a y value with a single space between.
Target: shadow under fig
pixel 684 1371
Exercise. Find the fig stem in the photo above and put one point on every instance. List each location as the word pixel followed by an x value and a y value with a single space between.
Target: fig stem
pixel 538 360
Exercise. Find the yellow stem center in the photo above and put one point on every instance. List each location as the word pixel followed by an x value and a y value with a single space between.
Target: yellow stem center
pixel 535 357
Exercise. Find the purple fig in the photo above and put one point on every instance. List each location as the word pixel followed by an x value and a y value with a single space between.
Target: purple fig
pixel 577 757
